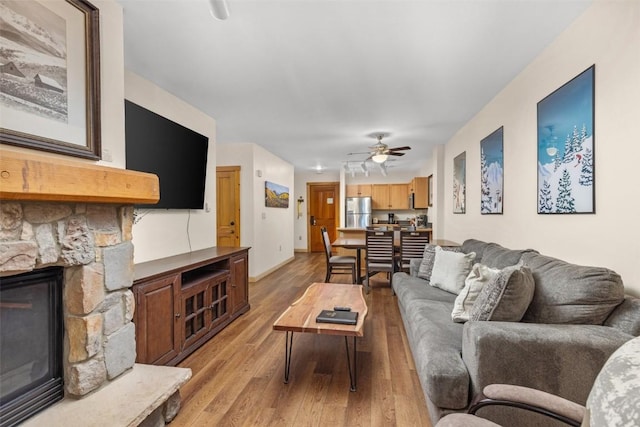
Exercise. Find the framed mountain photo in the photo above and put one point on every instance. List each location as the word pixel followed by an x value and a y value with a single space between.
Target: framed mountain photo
pixel 460 183
pixel 566 161
pixel 492 173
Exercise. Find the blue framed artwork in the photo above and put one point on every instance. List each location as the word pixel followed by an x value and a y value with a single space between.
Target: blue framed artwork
pixel 566 161
pixel 459 183
pixel 492 173
pixel 276 195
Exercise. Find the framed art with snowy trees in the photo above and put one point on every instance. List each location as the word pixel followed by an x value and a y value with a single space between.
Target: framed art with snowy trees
pixel 459 183
pixel 566 162
pixel 491 173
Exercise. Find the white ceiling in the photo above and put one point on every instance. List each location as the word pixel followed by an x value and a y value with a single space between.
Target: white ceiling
pixel 310 80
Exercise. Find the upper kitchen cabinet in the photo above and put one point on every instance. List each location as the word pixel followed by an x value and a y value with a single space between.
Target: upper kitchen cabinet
pixel 390 196
pixel 419 186
pixel 359 190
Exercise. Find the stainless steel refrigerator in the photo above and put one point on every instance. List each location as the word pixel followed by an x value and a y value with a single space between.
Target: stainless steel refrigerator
pixel 358 212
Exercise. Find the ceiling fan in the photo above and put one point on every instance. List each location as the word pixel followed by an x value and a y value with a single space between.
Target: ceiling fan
pixel 381 151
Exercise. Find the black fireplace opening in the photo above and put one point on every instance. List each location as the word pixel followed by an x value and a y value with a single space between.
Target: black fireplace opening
pixel 31 344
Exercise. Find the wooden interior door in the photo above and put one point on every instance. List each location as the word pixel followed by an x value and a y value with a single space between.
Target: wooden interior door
pixel 228 205
pixel 324 203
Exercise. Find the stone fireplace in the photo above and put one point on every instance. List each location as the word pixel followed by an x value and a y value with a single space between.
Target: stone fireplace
pixel 79 216
pixel 93 243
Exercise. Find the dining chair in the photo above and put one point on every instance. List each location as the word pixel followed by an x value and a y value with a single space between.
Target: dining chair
pixel 337 264
pixel 412 244
pixel 380 254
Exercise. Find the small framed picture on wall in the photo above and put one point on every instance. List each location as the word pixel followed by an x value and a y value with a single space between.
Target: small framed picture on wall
pixel 459 183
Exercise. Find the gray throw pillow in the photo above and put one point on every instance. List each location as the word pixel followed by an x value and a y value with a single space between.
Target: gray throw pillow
pixel 479 276
pixel 506 297
pixel 450 269
pixel 429 256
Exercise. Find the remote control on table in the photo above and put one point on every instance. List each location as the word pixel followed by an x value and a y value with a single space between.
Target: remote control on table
pixel 341 308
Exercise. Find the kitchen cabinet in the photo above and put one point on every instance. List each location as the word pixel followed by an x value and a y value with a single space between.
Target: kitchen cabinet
pixel 358 190
pixel 419 186
pixel 390 196
pixel 184 300
pixel 380 196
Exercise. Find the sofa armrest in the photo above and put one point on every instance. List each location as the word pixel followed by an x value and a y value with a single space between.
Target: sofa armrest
pixel 560 359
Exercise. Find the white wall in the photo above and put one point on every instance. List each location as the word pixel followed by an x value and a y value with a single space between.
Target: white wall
pixel 161 233
pixel 607 35
pixel 268 231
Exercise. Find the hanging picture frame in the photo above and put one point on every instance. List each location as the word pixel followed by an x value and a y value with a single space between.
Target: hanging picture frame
pixel 492 173
pixel 566 142
pixel 50 77
pixel 276 195
pixel 459 183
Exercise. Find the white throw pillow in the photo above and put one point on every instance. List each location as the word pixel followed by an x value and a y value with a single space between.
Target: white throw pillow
pixel 450 269
pixel 478 276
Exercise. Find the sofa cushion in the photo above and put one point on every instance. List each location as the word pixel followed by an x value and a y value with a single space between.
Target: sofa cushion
pixel 626 316
pixel 506 297
pixel 428 257
pixel 477 246
pixel 479 276
pixel 436 345
pixel 496 256
pixel 409 288
pixel 450 269
pixel 570 293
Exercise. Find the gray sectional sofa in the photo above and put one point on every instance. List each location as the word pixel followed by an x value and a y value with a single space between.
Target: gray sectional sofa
pixel 578 316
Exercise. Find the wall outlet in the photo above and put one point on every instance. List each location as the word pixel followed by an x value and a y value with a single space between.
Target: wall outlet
pixel 299 237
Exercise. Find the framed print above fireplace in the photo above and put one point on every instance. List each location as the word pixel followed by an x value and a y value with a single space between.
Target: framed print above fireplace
pixel 50 77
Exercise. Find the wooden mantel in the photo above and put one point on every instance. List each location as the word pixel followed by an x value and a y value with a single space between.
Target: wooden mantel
pixel 34 177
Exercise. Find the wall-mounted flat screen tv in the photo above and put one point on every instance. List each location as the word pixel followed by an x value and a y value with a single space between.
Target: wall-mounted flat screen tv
pixel 178 155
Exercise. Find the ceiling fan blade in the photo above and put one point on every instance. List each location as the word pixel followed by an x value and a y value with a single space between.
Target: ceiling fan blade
pixel 400 148
pixel 362 152
pixel 393 153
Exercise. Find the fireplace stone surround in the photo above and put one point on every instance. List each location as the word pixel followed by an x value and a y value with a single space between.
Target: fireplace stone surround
pixel 80 216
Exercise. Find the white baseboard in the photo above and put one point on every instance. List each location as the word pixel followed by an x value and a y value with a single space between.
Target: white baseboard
pixel 269 271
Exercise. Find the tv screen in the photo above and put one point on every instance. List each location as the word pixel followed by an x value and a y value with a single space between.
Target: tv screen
pixel 176 154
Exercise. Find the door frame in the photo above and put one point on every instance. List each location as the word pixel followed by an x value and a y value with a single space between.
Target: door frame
pixel 337 204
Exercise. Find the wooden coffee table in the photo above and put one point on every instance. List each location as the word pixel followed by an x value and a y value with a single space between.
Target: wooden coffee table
pixel 301 317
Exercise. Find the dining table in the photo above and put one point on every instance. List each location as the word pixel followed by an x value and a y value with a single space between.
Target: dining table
pixel 360 244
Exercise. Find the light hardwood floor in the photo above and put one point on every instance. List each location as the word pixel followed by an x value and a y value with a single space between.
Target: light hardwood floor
pixel 238 375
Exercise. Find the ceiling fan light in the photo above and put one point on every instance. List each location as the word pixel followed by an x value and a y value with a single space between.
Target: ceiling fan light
pixel 219 9
pixel 380 158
